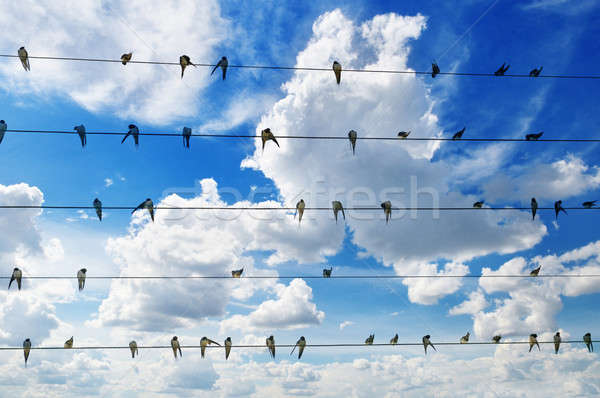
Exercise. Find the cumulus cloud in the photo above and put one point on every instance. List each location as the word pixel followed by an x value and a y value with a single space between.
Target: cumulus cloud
pixel 345 324
pixel 473 305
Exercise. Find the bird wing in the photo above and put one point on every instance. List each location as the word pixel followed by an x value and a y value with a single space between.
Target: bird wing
pixel 213 342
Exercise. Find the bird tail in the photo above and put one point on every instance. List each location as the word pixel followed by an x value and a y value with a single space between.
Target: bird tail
pixel 124 138
pixel 214 69
pixel 432 346
pixel 277 143
pixel 293 350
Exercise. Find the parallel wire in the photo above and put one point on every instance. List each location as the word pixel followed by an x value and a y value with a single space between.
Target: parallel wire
pixel 304 137
pixel 292 345
pixel 329 69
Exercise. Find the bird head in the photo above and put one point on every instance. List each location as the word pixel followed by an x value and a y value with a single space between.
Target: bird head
pixel 22 48
pixel 2 121
pixel 223 58
pixel 228 339
pixel 557 334
pixel 15 269
pixel 27 340
pixel 426 336
pixel 174 338
pixel 84 270
pixel 534 335
pixel 131 126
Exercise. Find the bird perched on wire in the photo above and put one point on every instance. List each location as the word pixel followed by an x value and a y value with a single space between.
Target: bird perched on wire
pixel 146 204
pixel 26 349
pixel 223 63
pixel 300 210
pixel 394 339
pixel 352 135
pixel 204 341
pixel 187 134
pixel 534 207
pixel 535 72
pixel 536 271
pixel 337 206
pixel 496 339
pixel 81 131
pixel 133 348
pixel 426 342
pixel 337 70
pixel 16 276
pixel 227 347
pixel 133 131
pixel 3 127
pixel 502 70
pixel 558 208
pixel 369 340
pixel 69 343
pixel 387 210
pixel 587 339
pixel 458 135
pixel 478 205
pixel 301 343
pixel 557 341
pixel 237 273
pixel 126 58
pixel 586 205
pixel 533 341
pixel 267 135
pixel 271 345
pixel 435 69
pixel 81 278
pixel 175 346
pixel 465 338
pixel 24 57
pixel 327 272
pixel 185 61
pixel 98 207
pixel 403 134
pixel 534 136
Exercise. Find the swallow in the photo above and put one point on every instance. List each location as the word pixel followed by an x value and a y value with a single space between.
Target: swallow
pixel 81 278
pixel 403 134
pixel 337 70
pixel 24 57
pixel 465 338
pixel 534 207
pixel 533 341
pixel 301 343
pixel 26 349
pixel 352 137
pixel 394 339
pixel 557 341
pixel 435 69
pixel 81 131
pixel 535 72
pixel 267 135
pixel 369 340
pixel 478 205
pixel 271 345
pixel 536 271
pixel 237 273
pixel 204 341
pixel 327 272
pixel 496 339
pixel 227 347
pixel 184 61
pixel 337 206
pixel 126 58
pixel 558 208
pixel 3 127
pixel 132 344
pixel 146 204
pixel 69 343
pixel 387 210
pixel 187 133
pixel 533 136
pixel 16 275
pixel 135 132
pixel 175 346
pixel 300 210
pixel 427 342
pixel 502 70
pixel 587 339
pixel 223 64
pixel 458 135
pixel 586 205
pixel 98 207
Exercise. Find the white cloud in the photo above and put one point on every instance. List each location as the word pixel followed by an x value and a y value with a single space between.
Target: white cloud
pixel 473 305
pixel 345 324
pixel 108 182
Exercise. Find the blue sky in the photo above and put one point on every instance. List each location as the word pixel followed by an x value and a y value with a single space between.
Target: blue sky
pixel 473 36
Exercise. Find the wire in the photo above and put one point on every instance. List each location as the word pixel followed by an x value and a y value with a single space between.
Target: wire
pixel 304 137
pixel 293 345
pixel 318 276
pixel 329 69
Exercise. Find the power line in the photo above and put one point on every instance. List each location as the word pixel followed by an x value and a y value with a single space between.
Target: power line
pixel 304 137
pixel 301 68
pixel 291 345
